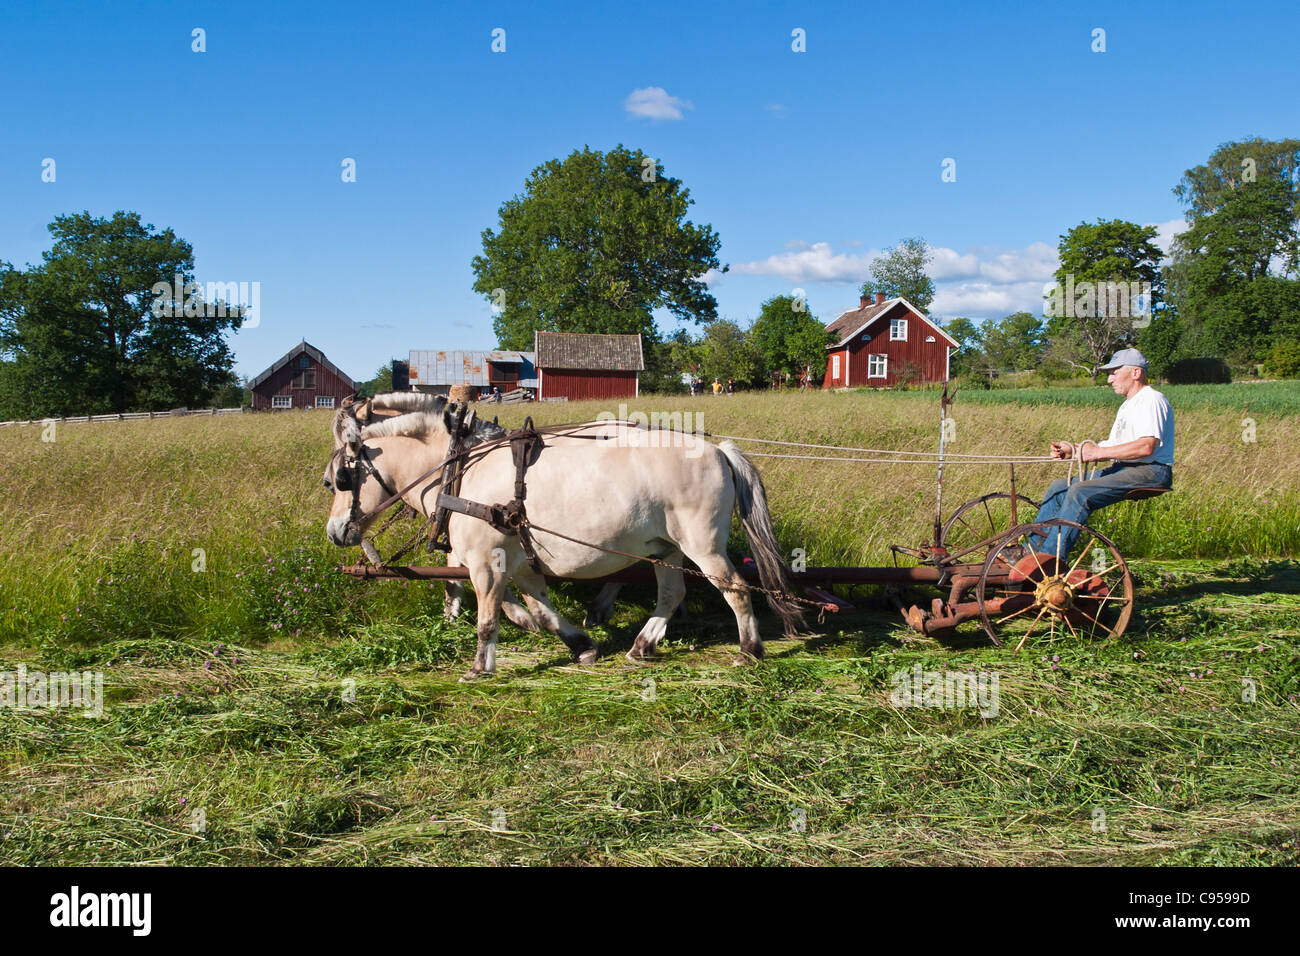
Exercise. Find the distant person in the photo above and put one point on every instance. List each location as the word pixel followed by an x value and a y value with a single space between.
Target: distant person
pixel 1141 445
pixel 731 387
pixel 717 387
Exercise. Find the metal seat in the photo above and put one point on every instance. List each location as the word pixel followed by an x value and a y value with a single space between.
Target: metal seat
pixel 1137 494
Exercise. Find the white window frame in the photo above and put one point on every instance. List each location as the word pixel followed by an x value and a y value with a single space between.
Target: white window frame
pixel 282 401
pixel 929 339
pixel 896 326
pixel 883 364
pixel 324 401
pixel 835 367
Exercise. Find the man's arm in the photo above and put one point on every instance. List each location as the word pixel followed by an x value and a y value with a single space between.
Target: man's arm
pixel 1125 451
pixel 1138 448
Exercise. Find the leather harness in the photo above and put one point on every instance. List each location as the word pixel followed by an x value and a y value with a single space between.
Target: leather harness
pixel 511 518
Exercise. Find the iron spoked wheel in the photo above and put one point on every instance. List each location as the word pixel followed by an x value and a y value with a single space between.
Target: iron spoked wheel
pixel 983 518
pixel 1024 595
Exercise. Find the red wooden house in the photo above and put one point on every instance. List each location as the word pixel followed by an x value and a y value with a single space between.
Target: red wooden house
pixel 579 366
pixel 301 378
pixel 883 343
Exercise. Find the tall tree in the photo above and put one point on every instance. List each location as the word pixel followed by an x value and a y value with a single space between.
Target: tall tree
pixel 81 333
pixel 1233 272
pixel 595 243
pixel 900 272
pixel 788 337
pixel 727 352
pixel 1093 309
pixel 967 337
pixel 1204 189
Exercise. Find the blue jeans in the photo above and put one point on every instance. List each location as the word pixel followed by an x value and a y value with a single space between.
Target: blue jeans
pixel 1075 502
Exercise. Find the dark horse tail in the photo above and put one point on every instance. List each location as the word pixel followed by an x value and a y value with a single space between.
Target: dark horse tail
pixel 751 500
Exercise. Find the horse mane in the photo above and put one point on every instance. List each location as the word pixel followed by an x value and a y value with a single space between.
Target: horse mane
pixel 420 414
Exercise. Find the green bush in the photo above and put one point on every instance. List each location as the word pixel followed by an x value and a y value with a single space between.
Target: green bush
pixel 1284 360
pixel 1199 371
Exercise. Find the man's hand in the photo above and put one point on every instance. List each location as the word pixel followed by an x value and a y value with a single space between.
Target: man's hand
pixel 1062 450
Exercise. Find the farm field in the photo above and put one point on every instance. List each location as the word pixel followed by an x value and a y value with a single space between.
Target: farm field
pixel 186 559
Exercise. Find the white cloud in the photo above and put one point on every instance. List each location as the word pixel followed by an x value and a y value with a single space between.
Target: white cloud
pixel 811 263
pixel 1165 232
pixel 777 110
pixel 653 102
pixel 981 282
pixel 986 300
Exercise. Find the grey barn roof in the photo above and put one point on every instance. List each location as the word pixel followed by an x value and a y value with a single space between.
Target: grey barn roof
pixel 609 353
pixel 292 354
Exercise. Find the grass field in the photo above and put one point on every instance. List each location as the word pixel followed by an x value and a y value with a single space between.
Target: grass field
pixel 315 719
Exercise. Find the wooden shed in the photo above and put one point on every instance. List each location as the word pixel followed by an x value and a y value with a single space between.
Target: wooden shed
pixel 580 366
pixel 301 378
pixel 886 342
pixel 435 371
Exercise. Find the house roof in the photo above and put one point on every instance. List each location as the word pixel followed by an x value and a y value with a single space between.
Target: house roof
pixel 849 324
pixel 608 353
pixel 465 367
pixel 292 354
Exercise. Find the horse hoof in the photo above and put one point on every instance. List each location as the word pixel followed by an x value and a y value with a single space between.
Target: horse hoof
pixel 472 675
pixel 642 655
pixel 589 656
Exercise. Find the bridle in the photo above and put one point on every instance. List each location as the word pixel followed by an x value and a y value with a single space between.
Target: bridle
pixel 350 476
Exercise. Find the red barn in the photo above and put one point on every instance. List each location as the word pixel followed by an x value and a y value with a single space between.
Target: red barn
pixel 578 366
pixel 886 342
pixel 301 378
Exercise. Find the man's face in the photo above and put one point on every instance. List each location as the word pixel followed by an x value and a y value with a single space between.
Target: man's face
pixel 1121 379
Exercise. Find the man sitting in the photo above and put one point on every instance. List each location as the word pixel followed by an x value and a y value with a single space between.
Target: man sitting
pixel 1141 445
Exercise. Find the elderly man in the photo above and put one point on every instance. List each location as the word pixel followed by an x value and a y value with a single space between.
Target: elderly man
pixel 1141 445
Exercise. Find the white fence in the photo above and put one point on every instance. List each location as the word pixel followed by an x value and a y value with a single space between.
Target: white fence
pixel 127 416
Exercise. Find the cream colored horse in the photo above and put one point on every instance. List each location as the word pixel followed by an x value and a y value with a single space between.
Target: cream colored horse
pixel 622 491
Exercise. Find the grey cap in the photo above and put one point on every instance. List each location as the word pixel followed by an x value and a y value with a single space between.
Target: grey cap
pixel 1125 357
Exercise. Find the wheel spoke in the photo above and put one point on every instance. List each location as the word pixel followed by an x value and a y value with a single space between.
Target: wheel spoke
pixel 1066 619
pixel 1095 621
pixel 993 529
pixel 1032 625
pixel 1082 552
pixel 1017 613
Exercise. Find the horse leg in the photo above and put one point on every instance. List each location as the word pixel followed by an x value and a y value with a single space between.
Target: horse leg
pixel 602 609
pixel 722 574
pixel 455 595
pixel 490 587
pixel 517 613
pixel 533 587
pixel 672 588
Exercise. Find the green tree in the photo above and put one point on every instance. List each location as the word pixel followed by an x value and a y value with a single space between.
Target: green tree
pixel 1231 276
pixel 788 337
pixel 595 243
pixel 1093 310
pixel 1014 343
pixel 726 352
pixel 87 331
pixel 1205 189
pixel 382 381
pixel 967 336
pixel 900 272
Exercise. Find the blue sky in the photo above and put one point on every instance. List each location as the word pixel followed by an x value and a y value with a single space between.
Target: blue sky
pixel 806 163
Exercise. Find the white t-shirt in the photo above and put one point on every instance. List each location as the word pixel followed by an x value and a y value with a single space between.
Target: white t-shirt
pixel 1146 414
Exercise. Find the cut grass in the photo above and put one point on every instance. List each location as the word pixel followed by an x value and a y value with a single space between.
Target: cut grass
pixel 351 741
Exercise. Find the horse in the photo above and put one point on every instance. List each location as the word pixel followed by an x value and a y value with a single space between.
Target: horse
pixel 604 483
